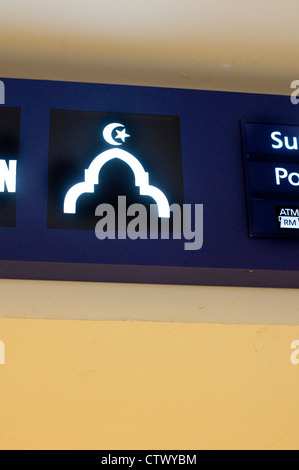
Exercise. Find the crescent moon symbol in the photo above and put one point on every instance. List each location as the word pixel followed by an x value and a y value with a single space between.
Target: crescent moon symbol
pixel 107 133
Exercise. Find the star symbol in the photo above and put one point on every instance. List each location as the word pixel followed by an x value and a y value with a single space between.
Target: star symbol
pixel 122 135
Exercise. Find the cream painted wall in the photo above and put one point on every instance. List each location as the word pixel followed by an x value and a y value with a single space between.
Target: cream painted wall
pixel 129 302
pixel 113 385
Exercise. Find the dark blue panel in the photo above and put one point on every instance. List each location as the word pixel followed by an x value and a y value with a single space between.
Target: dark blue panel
pixel 212 175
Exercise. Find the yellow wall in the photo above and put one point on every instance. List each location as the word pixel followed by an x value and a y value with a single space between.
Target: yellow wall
pixel 128 385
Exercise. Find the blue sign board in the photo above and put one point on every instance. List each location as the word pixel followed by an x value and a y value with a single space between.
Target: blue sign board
pixel 148 185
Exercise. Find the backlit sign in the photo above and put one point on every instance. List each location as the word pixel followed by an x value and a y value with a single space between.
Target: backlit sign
pixel 146 185
pixel 271 163
pixel 97 156
pixel 92 175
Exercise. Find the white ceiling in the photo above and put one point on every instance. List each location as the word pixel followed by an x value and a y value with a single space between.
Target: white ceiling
pixel 214 44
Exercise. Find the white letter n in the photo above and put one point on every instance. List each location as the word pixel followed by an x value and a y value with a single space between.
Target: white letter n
pixel 2 92
pixel 8 176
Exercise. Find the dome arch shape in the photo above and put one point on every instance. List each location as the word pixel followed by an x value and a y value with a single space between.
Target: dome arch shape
pixel 91 178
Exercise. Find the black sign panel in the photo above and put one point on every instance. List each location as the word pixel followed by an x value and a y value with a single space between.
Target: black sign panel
pixel 78 138
pixel 272 140
pixel 271 163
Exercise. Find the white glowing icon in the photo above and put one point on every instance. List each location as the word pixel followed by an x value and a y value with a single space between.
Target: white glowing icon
pixel 93 172
pixel 107 133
